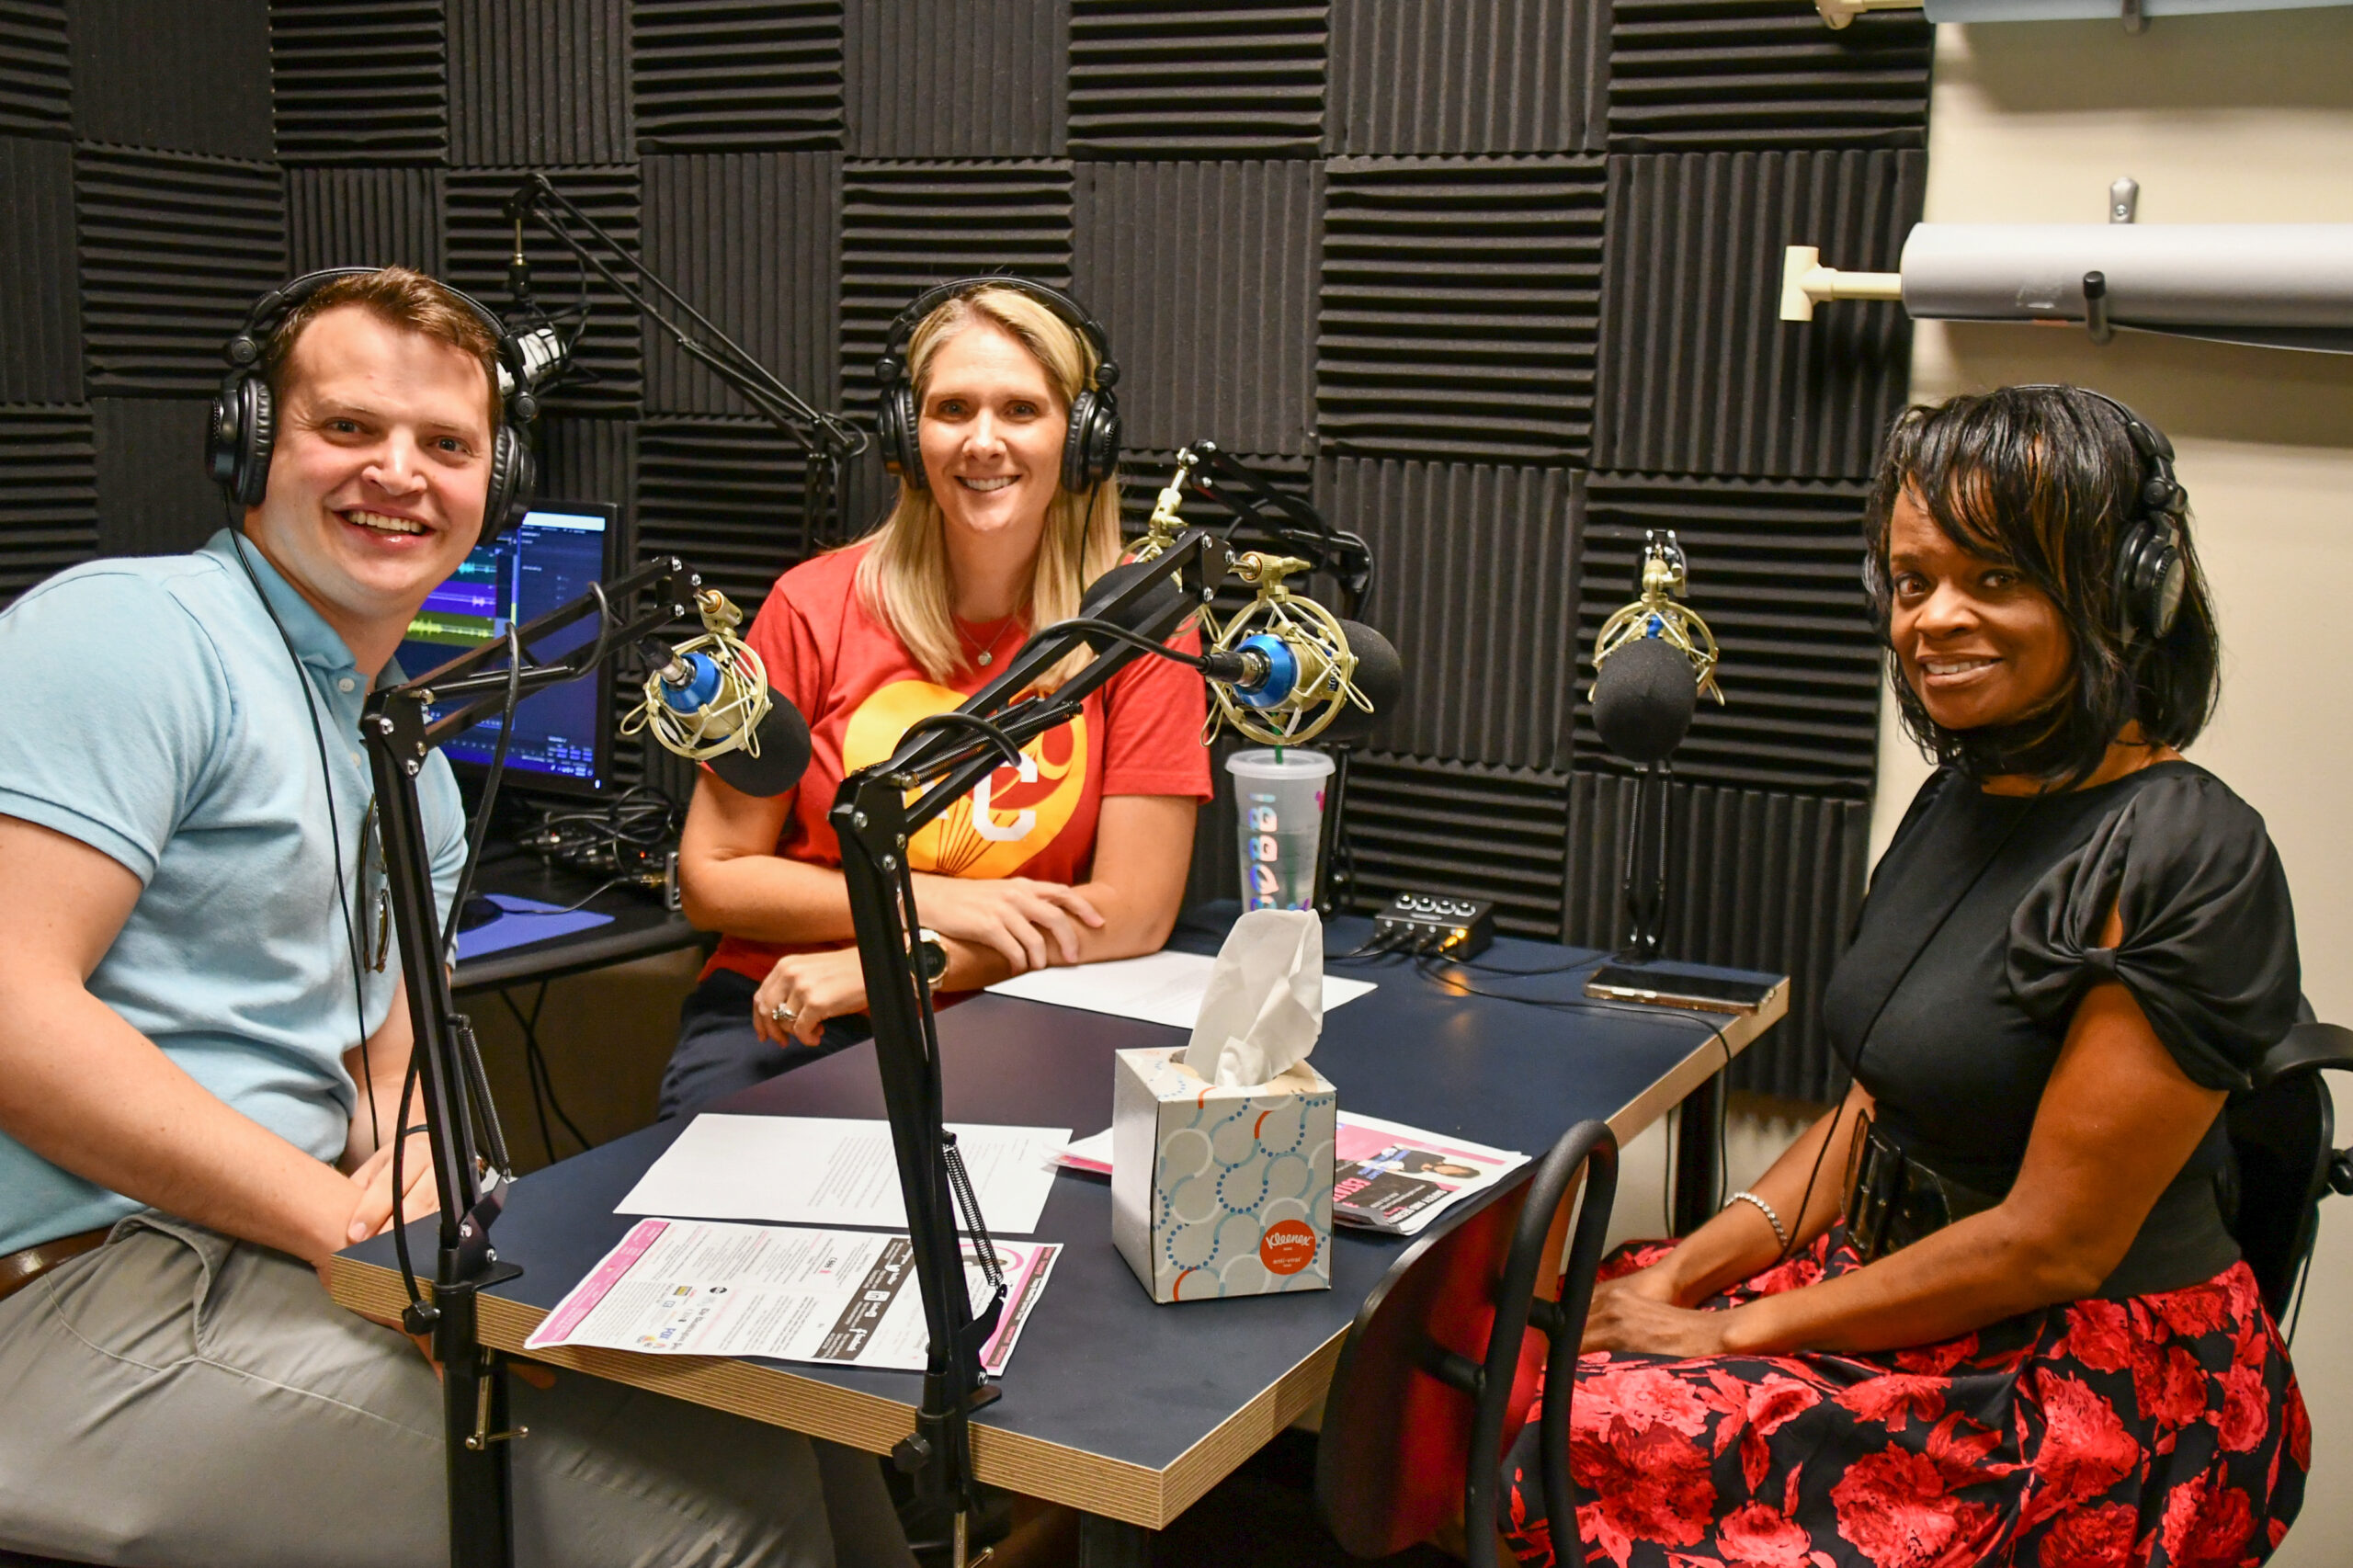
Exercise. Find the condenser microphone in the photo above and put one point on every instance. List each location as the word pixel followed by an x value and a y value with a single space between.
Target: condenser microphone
pixel 709 700
pixel 1279 668
pixel 1643 696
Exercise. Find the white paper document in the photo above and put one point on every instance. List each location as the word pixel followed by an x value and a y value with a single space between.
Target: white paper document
pixel 814 1170
pixel 1159 988
pixel 847 1298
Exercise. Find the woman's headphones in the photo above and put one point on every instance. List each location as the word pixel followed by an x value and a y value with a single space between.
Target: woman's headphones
pixel 2151 573
pixel 238 442
pixel 1090 450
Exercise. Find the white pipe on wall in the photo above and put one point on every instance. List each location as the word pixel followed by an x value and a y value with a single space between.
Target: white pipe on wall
pixel 2167 275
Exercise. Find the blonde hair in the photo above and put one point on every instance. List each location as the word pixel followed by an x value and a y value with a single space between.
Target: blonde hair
pixel 903 581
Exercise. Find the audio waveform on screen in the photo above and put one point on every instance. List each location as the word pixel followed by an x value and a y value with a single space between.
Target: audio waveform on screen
pixel 451 631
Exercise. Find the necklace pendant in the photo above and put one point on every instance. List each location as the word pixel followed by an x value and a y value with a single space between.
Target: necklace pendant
pixel 985 658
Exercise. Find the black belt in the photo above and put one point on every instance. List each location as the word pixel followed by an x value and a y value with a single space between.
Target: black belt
pixel 20 1268
pixel 1896 1199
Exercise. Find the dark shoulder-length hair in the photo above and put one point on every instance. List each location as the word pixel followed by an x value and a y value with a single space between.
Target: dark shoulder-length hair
pixel 2044 479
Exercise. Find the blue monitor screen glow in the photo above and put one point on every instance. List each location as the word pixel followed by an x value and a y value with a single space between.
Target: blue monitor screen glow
pixel 563 735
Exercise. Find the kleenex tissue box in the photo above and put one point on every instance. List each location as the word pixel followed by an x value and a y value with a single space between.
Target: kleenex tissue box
pixel 1221 1192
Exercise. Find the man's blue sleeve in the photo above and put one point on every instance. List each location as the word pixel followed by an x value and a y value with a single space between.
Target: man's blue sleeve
pixel 114 705
pixel 445 826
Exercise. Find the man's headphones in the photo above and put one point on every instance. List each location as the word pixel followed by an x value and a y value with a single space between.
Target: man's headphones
pixel 2151 573
pixel 238 442
pixel 1090 450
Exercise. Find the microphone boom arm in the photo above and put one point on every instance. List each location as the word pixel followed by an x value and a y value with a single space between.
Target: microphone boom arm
pixel 826 440
pixel 876 814
pixel 399 732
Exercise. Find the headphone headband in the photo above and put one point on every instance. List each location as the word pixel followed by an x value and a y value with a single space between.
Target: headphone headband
pixel 1072 313
pixel 269 312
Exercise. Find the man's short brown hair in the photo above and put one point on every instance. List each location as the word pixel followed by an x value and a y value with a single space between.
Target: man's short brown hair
pixel 399 296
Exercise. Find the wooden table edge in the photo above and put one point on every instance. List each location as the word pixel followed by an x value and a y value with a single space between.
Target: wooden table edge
pixel 1134 1493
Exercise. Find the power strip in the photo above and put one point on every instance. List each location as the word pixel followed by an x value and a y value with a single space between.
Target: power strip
pixel 1438 923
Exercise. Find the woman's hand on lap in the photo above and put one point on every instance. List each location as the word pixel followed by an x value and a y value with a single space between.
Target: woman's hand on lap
pixel 810 988
pixel 1628 1316
pixel 1034 924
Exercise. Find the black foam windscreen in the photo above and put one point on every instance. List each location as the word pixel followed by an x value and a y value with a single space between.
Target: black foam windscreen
pixel 1381 676
pixel 784 754
pixel 1642 699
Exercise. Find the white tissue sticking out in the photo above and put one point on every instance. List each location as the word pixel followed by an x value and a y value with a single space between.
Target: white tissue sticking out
pixel 1264 1010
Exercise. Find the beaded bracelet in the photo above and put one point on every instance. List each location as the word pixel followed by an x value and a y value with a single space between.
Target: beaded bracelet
pixel 1744 1196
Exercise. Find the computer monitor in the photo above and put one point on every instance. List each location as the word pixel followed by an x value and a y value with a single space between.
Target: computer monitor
pixel 563 736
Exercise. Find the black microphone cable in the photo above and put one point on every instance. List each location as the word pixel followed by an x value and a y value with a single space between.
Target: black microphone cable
pixel 237 543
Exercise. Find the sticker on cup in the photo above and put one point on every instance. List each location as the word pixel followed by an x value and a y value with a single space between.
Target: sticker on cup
pixel 1279 797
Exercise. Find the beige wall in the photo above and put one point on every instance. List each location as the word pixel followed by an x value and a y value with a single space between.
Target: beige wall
pixel 2222 119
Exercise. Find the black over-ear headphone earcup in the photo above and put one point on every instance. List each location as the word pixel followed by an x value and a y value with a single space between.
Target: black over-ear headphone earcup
pixel 257 436
pixel 2151 575
pixel 895 434
pixel 1091 448
pixel 512 471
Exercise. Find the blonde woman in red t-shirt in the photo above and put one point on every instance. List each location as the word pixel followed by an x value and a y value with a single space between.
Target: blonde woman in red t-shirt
pixel 1079 854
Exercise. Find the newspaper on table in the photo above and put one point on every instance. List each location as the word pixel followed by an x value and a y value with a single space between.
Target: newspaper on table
pixel 1396 1179
pixel 1385 1176
pixel 840 1298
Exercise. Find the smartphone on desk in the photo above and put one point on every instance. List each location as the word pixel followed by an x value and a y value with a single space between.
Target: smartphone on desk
pixel 1665 987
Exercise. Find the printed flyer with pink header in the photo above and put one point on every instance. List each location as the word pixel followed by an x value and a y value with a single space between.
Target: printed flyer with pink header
pixel 843 1298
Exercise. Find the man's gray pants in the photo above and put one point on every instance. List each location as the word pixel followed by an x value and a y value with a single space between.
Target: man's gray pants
pixel 174 1398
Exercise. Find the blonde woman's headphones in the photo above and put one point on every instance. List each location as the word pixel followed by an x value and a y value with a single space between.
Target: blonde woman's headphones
pixel 1090 450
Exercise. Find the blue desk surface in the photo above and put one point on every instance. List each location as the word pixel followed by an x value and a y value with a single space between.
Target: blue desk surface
pixel 1112 1403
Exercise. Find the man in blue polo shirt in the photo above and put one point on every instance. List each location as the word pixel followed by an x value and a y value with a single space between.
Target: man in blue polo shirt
pixel 202 1064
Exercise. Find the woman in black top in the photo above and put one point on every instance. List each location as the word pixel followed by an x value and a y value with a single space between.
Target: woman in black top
pixel 1988 1309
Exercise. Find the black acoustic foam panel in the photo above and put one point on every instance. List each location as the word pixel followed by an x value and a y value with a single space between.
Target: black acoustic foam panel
pixel 540 82
pixel 583 458
pixel 1755 880
pixel 1433 826
pixel 753 240
pixel 480 240
pixel 1216 78
pixel 1699 373
pixel 1467 76
pixel 1460 304
pixel 957 78
pixel 174 249
pixel 1476 582
pixel 353 217
pixel 1774 573
pixel 155 497
pixel 726 497
pixel 40 316
pixel 908 225
pixel 165 74
pixel 1688 73
pixel 36 69
pixel 1203 274
pixel 762 75
pixel 48 509
pixel 360 81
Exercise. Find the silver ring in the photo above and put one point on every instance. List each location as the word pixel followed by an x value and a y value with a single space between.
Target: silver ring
pixel 780 1013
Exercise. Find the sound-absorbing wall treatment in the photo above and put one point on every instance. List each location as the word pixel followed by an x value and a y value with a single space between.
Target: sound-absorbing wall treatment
pixel 1493 282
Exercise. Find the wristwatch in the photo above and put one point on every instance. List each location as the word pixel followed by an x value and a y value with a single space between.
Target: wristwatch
pixel 933 949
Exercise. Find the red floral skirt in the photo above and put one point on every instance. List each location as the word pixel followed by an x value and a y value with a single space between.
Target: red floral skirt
pixel 2162 1430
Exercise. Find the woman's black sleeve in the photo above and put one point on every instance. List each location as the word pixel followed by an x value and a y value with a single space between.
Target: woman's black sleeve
pixel 2209 936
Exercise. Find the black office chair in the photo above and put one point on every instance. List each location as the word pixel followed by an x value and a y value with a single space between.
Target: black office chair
pixel 2283 1131
pixel 1439 1368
